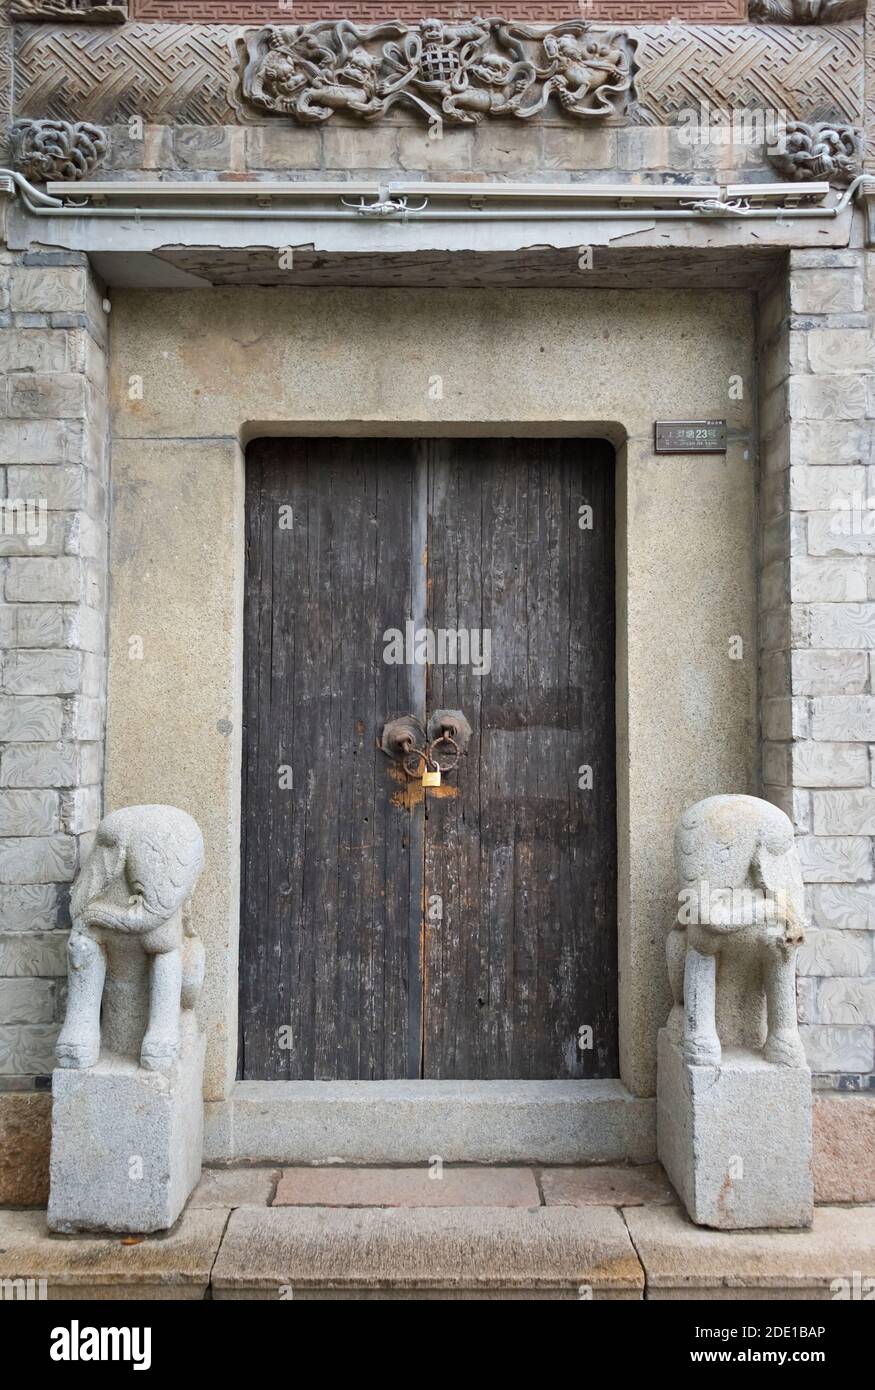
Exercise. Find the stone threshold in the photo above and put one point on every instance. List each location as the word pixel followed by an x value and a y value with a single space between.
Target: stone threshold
pixel 540 1122
pixel 600 1233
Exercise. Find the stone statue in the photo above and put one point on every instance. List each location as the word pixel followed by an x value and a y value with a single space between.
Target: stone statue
pixel 132 947
pixel 740 920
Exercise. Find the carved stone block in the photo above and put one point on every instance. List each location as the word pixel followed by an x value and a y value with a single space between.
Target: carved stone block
pixel 127 1144
pixel 735 1139
pixel 55 150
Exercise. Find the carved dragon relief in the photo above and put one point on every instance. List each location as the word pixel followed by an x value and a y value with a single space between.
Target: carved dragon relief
pixel 451 72
pixel 805 11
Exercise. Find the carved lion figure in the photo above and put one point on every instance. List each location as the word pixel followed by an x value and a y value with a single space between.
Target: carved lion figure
pixel 132 947
pixel 741 911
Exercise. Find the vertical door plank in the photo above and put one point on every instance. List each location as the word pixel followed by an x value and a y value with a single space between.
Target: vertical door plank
pixel 522 857
pixel 329 866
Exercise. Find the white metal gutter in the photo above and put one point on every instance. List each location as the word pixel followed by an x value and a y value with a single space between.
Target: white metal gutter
pixel 451 202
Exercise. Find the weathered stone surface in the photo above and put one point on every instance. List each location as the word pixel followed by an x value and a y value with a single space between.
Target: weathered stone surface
pixel 735 1139
pixel 610 1186
pixel 844 1148
pixel 682 1261
pixel 127 1143
pixel 379 1122
pixel 477 1252
pixel 176 1265
pixel 425 1186
pixel 235 1187
pixel 25 1136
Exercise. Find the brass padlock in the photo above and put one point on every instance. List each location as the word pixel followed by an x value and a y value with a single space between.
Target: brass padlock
pixel 431 777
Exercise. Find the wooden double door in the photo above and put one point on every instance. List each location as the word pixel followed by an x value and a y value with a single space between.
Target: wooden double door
pixel 390 930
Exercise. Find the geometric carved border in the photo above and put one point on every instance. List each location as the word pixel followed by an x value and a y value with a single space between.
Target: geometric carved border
pixel 365 12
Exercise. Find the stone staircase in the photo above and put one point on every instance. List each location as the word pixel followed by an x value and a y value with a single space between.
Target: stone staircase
pixel 462 1233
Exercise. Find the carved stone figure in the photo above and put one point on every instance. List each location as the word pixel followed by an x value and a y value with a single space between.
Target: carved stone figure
pixel 454 72
pixel 70 11
pixel 805 11
pixel 822 151
pixel 54 150
pixel 739 923
pixel 132 946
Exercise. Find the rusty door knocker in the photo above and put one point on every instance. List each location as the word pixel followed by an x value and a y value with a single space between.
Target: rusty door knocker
pixel 427 754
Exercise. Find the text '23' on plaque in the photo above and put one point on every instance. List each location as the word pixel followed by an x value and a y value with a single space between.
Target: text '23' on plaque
pixel 689 436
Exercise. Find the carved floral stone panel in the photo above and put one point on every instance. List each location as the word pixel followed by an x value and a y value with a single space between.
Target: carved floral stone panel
pixel 457 72
pixel 819 151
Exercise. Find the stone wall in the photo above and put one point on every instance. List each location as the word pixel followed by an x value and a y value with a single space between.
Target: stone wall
pixel 54 461
pixel 817 422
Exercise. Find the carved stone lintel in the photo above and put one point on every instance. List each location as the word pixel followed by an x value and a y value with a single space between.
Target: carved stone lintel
pixel 819 151
pixel 70 11
pixel 456 73
pixel 55 150
pixel 805 11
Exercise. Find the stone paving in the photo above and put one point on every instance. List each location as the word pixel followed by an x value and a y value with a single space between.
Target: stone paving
pixel 337 1232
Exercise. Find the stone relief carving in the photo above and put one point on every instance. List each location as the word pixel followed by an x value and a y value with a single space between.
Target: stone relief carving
pixel 70 11
pixel 55 150
pixel 821 151
pixel 132 949
pixel 741 913
pixel 457 72
pixel 188 74
pixel 805 11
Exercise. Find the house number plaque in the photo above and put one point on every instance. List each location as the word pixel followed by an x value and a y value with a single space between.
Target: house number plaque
pixel 690 436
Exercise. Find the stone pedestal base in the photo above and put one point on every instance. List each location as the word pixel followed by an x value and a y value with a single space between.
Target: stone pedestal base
pixel 735 1140
pixel 126 1143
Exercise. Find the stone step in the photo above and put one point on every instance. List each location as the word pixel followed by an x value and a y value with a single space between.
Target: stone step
pixel 427 1252
pixel 378 1253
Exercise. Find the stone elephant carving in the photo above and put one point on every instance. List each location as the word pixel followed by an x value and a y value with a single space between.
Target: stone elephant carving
pixel 133 958
pixel 740 920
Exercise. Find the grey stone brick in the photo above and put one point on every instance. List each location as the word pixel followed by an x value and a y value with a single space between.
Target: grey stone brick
pixel 830 765
pixel 33 350
pixel 57 395
pixel 46 289
pixel 34 812
pixel 27 1049
pixel 42 672
pixel 835 859
pixel 829 672
pixel 29 528
pixel 44 580
pixel 843 906
pixel 283 147
pixel 842 625
pixel 847 1002
pixel 841 350
pixel 37 859
pixel 838 1049
pixel 42 955
pixel 40 765
pixel 62 487
pixel 822 291
pixel 31 441
pixel 30 718
pixel 827 398
pixel 31 907
pixel 27 1001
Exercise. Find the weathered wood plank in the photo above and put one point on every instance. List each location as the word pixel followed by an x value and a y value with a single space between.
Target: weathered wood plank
pixel 523 859
pixel 330 865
